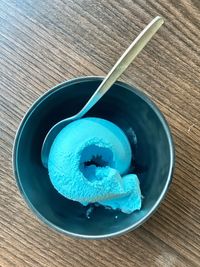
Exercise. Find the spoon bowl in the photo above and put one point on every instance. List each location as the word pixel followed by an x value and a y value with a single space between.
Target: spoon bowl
pixel 121 65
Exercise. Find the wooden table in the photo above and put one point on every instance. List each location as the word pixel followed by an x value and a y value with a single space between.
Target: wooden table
pixel 43 43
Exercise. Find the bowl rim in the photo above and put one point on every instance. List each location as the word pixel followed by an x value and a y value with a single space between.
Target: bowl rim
pixel 128 87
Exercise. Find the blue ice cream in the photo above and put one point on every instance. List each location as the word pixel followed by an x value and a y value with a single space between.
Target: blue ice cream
pixel 88 163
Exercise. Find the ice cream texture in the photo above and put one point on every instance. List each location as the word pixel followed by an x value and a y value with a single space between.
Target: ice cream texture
pixel 89 161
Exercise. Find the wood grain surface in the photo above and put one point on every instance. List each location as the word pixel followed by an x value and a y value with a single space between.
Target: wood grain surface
pixel 43 43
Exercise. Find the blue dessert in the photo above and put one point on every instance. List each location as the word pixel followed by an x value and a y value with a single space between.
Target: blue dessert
pixel 89 161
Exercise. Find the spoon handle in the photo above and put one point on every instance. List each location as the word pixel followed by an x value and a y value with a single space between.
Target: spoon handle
pixel 124 61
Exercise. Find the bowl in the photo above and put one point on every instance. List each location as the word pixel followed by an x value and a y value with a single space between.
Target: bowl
pixel 151 143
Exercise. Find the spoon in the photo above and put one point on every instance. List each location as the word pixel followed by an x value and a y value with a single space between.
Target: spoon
pixel 124 61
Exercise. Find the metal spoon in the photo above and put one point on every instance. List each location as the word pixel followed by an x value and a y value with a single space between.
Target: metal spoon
pixel 124 61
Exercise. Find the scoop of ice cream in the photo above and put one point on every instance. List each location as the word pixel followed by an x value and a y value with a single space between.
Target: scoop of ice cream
pixel 86 163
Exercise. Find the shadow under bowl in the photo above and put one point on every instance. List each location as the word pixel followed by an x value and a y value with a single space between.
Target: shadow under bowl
pixel 135 114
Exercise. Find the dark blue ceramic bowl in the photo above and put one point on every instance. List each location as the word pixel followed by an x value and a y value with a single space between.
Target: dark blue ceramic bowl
pixel 151 143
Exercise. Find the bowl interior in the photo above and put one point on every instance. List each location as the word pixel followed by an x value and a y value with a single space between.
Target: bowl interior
pixel 140 120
